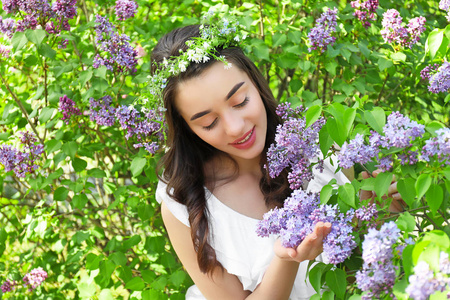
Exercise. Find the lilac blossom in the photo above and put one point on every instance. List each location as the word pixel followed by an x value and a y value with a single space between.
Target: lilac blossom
pixel 151 147
pixel 125 9
pixel 356 152
pixel 440 81
pixel 297 219
pixel 119 54
pixel 428 71
pixel 367 213
pixel 8 285
pixel 438 146
pixel 424 282
pixel 34 278
pixel 445 5
pixel 294 147
pixel 23 161
pixel 65 8
pixel 320 35
pixel 68 108
pixel 400 131
pixel 102 112
pixel 4 52
pixel 394 32
pixel 365 11
pixel 377 275
pixel 7 26
pixel 139 125
pixel 385 163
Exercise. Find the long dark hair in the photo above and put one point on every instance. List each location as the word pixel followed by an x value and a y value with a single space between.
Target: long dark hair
pixel 183 164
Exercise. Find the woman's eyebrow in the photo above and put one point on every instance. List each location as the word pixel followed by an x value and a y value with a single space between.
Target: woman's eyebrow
pixel 229 95
pixel 234 89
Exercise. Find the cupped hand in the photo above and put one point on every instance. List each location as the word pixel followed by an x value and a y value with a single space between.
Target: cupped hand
pixel 397 204
pixel 309 248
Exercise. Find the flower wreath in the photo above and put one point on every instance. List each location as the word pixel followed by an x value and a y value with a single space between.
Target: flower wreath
pixel 215 31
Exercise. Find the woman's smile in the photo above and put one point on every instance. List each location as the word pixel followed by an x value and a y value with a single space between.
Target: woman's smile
pixel 246 141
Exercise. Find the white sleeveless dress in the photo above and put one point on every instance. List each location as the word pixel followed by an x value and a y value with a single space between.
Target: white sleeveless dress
pixel 240 251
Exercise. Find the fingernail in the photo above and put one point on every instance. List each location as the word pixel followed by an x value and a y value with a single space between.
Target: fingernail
pixel 314 237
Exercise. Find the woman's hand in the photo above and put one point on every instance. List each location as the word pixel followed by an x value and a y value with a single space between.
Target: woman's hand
pixel 309 248
pixel 397 204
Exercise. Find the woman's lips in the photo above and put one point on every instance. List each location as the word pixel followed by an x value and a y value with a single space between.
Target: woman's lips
pixel 246 141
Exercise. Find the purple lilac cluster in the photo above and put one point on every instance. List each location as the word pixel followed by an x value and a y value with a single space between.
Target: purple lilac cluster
pixel 320 35
pixel 297 219
pixel 394 32
pixel 377 276
pixel 295 145
pixel 8 285
pixel 4 52
pixel 102 112
pixel 141 126
pixel 438 146
pixel 445 5
pixel 25 161
pixel 125 9
pixel 120 55
pixel 365 11
pixel 368 212
pixel 428 71
pixel 68 108
pixel 7 26
pixel 424 282
pixel 399 132
pixel 34 278
pixel 440 81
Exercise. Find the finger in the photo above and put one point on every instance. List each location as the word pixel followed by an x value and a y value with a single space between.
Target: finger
pixel 365 175
pixel 376 172
pixel 394 178
pixel 327 229
pixel 392 189
pixel 318 230
pixel 397 197
pixel 292 252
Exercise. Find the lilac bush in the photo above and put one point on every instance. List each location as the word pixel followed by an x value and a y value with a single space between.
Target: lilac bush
pixel 395 33
pixel 68 108
pixel 440 80
pixel 125 9
pixel 295 146
pixel 377 276
pixel 399 132
pixel 438 147
pixel 8 286
pixel 320 35
pixel 365 11
pixel 35 278
pixel 118 55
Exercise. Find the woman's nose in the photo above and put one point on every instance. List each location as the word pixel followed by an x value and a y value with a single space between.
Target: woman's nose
pixel 234 124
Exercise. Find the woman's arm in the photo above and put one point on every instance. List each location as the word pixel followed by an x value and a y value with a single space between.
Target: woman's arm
pixel 277 281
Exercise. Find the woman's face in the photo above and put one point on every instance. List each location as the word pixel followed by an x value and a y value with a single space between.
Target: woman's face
pixel 224 108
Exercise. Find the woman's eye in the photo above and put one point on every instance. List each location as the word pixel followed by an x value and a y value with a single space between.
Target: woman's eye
pixel 243 103
pixel 209 127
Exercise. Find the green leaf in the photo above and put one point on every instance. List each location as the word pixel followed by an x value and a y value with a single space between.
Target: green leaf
pixel 135 284
pixel 60 194
pixel 328 295
pixel 336 281
pixel 435 196
pixel 46 114
pixel 105 294
pixel 52 146
pixel 312 114
pixel 325 140
pixel 376 118
pixel 137 165
pixel 96 173
pixel 346 193
pixel 47 51
pixel 103 278
pixel 84 77
pixel 422 184
pixel 382 183
pixel 79 164
pixel 334 132
pixel 70 149
pixel 399 289
pixel 434 42
pixel 315 276
pixel 19 40
pixel 133 241
pixel 368 184
pixel 325 194
pixel 406 188
pixel 406 222
pixel 178 277
pixel 36 36
pixel 384 64
pixel 399 56
pixel 433 126
pixel 79 201
pixel 118 258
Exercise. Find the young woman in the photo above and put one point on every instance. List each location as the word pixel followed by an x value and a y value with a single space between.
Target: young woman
pixel 221 120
